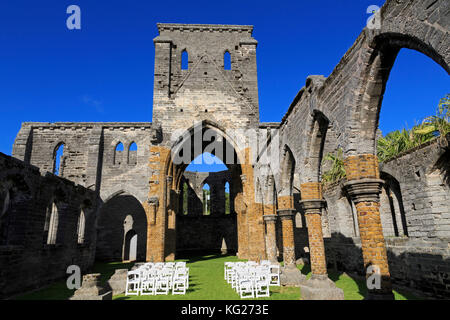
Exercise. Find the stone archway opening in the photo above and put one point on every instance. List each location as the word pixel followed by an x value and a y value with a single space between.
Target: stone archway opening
pixel 206 221
pixel 121 230
pixel 206 225
pixel 130 246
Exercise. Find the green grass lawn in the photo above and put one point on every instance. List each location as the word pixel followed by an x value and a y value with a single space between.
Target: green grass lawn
pixel 206 282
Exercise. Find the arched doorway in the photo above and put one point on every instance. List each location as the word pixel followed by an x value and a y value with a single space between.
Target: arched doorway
pixel 210 224
pixel 121 229
pixel 130 246
pixel 221 147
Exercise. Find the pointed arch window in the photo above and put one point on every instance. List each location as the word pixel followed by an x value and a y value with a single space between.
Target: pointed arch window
pixel 118 152
pixel 132 154
pixel 206 199
pixel 184 60
pixel 227 198
pixel 81 226
pixel 58 160
pixel 51 224
pixel 227 60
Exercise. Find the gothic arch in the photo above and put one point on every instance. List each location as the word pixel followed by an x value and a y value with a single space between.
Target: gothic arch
pixel 382 51
pixel 287 172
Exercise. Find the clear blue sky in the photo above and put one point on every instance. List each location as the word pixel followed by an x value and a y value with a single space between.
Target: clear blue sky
pixel 104 72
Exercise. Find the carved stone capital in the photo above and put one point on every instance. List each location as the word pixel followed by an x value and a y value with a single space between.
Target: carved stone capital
pixel 312 206
pixel 364 190
pixel 285 214
pixel 270 217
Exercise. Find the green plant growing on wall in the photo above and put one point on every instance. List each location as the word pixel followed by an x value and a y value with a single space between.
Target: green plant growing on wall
pixel 337 170
pixel 439 124
pixel 397 142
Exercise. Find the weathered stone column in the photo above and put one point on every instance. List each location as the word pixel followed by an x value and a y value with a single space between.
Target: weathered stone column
pixel 271 241
pixel 313 212
pixel 169 241
pixel 290 275
pixel 287 226
pixel 319 286
pixel 364 187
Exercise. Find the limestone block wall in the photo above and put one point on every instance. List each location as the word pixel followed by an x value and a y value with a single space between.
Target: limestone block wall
pixel 206 233
pixel 422 175
pixel 90 154
pixel 26 260
pixel 126 171
pixel 420 257
pixel 205 90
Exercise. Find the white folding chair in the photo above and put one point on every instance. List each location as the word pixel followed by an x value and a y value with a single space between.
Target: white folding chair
pixel 180 281
pixel 179 286
pixel 184 274
pixel 262 282
pixel 246 288
pixel 262 288
pixel 133 282
pixel 162 285
pixel 229 270
pixel 274 275
pixel 148 282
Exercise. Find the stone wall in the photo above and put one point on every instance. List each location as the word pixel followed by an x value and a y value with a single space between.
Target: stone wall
pixel 337 112
pixel 196 231
pixel 90 156
pixel 27 260
pixel 205 90
pixel 419 256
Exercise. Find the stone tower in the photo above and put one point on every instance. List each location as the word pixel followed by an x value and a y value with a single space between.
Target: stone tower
pixel 205 90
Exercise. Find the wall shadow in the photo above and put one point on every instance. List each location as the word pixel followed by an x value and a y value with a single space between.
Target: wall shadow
pixel 413 274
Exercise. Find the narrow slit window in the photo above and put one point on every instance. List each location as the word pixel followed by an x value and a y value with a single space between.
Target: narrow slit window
pixel 118 152
pixel 184 60
pixel 58 160
pixel 227 198
pixel 132 154
pixel 81 227
pixel 227 61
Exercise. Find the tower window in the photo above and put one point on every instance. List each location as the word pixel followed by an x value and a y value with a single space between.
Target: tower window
pixel 184 60
pixel 227 60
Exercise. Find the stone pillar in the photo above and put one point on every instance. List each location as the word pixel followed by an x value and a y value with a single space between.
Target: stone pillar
pixel 319 286
pixel 287 226
pixel 271 241
pixel 364 187
pixel 313 212
pixel 170 221
pixel 242 222
pixel 290 275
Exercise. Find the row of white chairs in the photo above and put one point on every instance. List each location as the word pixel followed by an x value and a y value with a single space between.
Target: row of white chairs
pixel 251 279
pixel 158 279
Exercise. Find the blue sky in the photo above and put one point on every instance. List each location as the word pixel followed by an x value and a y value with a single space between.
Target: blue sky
pixel 104 72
